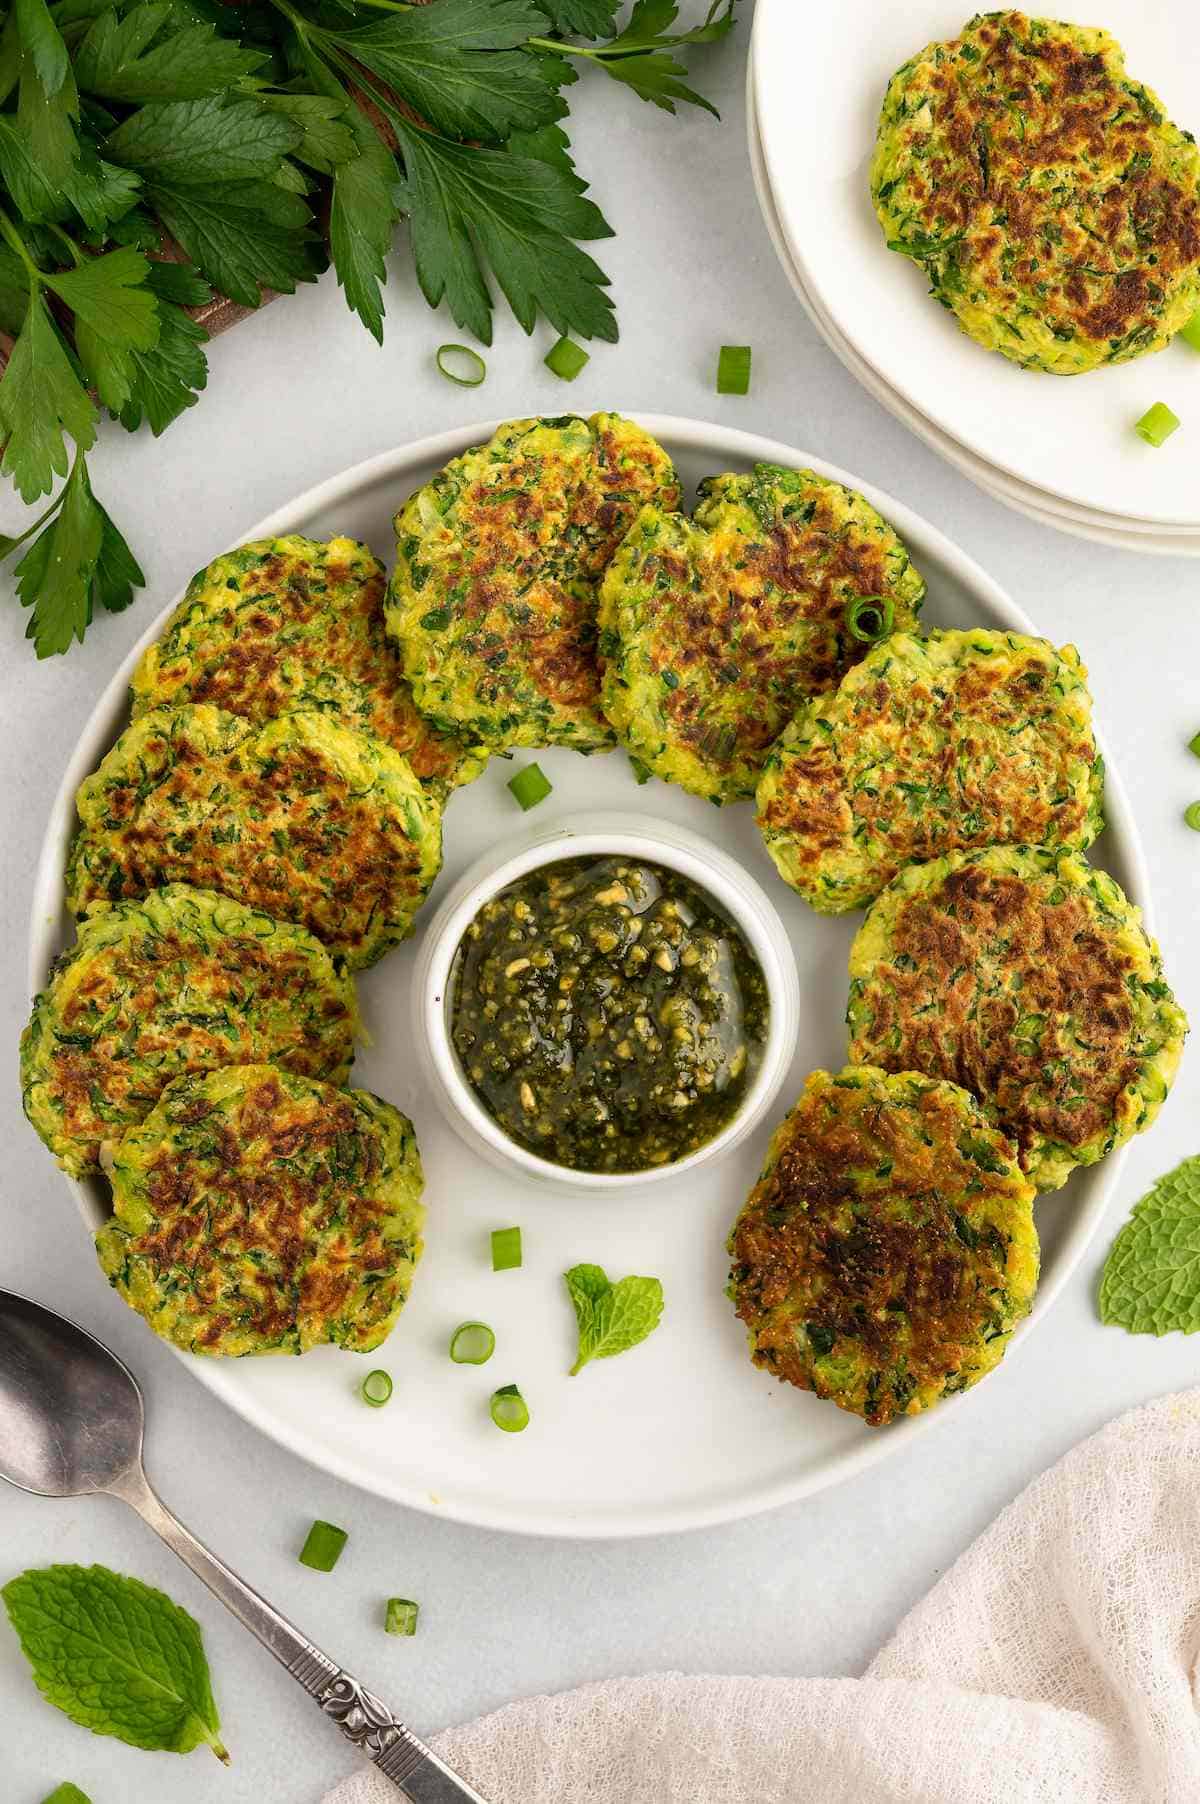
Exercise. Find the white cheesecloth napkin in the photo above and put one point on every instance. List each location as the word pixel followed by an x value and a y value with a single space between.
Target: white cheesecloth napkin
pixel 1054 1663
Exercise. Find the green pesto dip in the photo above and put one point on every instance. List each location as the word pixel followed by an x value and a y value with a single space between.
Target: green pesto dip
pixel 607 1013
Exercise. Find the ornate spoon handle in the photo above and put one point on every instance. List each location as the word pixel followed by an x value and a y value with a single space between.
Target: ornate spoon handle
pixel 399 1754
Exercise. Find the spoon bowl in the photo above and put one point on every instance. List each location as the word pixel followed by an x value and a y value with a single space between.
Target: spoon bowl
pixel 71 1415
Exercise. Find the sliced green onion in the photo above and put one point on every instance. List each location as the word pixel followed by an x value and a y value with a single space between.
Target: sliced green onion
pixel 566 359
pixel 459 363
pixel 506 1249
pixel 472 1344
pixel 401 1618
pixel 66 1793
pixel 1191 332
pixel 870 617
pixel 1191 815
pixel 530 786
pixel 1194 744
pixel 733 370
pixel 323 1546
pixel 641 772
pixel 1157 424
pixel 509 1409
pixel 375 1389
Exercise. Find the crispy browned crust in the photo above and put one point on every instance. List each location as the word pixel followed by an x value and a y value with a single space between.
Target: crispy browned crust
pixel 874 1232
pixel 1059 966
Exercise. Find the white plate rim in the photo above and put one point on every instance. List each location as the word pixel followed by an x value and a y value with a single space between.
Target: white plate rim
pixel 1043 510
pixel 1154 519
pixel 97 733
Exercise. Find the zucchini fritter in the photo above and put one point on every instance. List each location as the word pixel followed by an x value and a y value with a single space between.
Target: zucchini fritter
pixel 291 623
pixel 715 630
pixel 493 598
pixel 260 1212
pixel 1052 204
pixel 301 818
pixel 1027 977
pixel 183 980
pixel 960 739
pixel 888 1249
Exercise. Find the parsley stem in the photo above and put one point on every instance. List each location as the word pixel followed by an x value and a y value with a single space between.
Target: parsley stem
pixel 8 546
pixel 73 250
pixel 18 243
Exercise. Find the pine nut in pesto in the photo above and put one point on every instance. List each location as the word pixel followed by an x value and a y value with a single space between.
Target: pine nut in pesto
pixel 607 1013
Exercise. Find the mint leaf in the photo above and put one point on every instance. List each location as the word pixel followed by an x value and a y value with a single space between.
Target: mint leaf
pixel 67 1794
pixel 611 1317
pixel 242 235
pixel 43 43
pixel 1151 1280
pixel 145 54
pixel 41 399
pixel 471 210
pixel 195 143
pixel 116 1656
pixel 362 217
pixel 460 66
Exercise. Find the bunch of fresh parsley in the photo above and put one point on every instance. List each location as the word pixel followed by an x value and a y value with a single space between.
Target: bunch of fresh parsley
pixel 153 152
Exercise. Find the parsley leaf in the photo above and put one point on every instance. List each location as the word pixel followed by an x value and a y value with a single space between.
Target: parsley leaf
pixel 117 1656
pixel 640 56
pixel 46 122
pixel 460 66
pixel 41 398
pixel 193 143
pixel 611 1317
pixel 164 382
pixel 106 293
pixel 54 578
pixel 100 192
pixel 35 196
pixel 329 137
pixel 146 54
pixel 581 18
pixel 1151 1280
pixel 362 218
pixel 474 209
pixel 43 42
pixel 242 235
pixel 118 572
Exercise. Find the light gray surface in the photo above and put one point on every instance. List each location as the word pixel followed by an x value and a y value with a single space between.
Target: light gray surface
pixel 295 395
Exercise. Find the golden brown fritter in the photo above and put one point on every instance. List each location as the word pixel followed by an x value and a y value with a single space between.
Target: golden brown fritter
pixel 292 623
pixel 301 818
pixel 260 1212
pixel 1054 207
pixel 1027 977
pixel 493 598
pixel 183 980
pixel 888 1249
pixel 959 739
pixel 715 630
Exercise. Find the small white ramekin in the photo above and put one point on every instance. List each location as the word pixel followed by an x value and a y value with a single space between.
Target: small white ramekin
pixel 599 836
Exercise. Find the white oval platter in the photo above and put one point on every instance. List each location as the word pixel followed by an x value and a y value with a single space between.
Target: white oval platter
pixel 682 1431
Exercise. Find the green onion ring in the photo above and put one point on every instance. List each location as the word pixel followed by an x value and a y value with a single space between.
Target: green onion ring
pixel 376 1389
pixel 472 1344
pixel 474 361
pixel 509 1409
pixel 870 618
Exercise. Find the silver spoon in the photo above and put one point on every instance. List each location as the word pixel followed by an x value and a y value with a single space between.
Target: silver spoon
pixel 71 1421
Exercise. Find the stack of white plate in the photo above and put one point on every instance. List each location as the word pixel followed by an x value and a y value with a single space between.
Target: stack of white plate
pixel 1059 449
